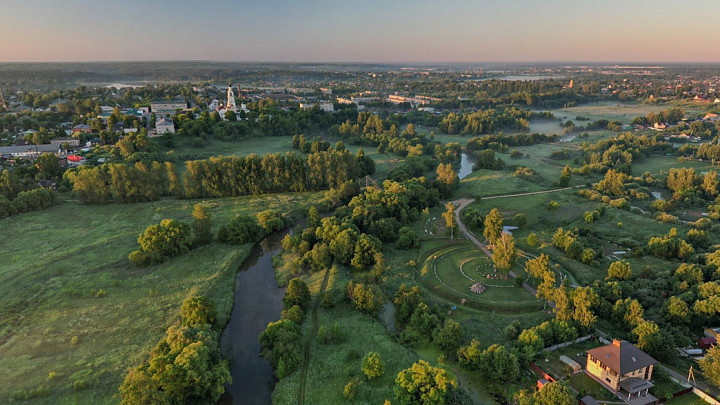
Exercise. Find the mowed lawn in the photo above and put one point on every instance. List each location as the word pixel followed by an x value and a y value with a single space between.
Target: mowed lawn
pixel 74 314
pixel 184 150
pixel 621 111
pixel 484 183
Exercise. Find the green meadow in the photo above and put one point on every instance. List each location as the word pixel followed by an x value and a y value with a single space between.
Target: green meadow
pixel 75 314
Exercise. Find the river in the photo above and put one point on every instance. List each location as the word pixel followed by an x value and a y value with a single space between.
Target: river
pixel 258 301
pixel 466 165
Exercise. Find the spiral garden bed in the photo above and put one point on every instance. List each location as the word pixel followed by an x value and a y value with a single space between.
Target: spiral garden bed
pixel 466 276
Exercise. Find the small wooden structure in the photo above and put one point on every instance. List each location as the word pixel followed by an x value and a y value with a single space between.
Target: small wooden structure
pixel 576 368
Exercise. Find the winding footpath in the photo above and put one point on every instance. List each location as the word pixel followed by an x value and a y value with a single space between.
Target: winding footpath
pixel 464 202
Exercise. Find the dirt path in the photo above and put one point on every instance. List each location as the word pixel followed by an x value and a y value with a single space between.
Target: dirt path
pixel 494 197
pixel 462 203
pixel 309 340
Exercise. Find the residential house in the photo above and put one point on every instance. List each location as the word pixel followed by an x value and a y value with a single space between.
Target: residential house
pixel 707 342
pixel 164 125
pixel 81 128
pixel 623 368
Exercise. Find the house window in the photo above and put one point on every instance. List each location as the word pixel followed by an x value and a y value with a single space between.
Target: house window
pixel 607 379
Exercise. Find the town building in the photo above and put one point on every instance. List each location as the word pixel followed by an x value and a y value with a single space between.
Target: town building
pixel 29 151
pixel 164 125
pixel 69 141
pixel 327 107
pixel 624 369
pixel 413 101
pixel 162 108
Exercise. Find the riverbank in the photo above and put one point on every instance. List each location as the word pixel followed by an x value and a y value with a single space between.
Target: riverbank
pixel 73 306
pixel 257 301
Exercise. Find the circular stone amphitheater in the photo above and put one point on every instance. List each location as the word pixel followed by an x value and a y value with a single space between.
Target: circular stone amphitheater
pixel 467 277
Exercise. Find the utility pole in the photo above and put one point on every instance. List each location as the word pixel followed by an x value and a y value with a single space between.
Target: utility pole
pixel 3 103
pixel 691 374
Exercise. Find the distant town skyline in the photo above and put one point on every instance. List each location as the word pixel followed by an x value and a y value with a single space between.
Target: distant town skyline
pixel 373 31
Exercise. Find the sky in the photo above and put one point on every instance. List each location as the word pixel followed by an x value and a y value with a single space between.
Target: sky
pixel 373 31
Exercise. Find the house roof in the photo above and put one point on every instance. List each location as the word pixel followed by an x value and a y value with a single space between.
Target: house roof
pixel 18 149
pixel 588 400
pixel 621 357
pixel 633 385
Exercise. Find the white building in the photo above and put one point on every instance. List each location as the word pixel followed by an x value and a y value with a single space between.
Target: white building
pixel 169 107
pixel 164 125
pixel 60 141
pixel 327 107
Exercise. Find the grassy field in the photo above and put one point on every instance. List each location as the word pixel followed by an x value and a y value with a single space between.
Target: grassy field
pixel 447 271
pixel 688 399
pixel 334 365
pixel 663 164
pixel 74 309
pixel 620 111
pixel 569 215
pixel 483 183
pixel 184 150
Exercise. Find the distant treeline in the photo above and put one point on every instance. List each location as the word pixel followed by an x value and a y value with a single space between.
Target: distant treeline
pixel 486 122
pixel 502 142
pixel 216 177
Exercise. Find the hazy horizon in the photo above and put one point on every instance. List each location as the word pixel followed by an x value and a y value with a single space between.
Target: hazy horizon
pixel 321 31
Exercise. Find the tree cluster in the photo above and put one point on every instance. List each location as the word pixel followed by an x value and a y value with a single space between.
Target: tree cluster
pixel 186 366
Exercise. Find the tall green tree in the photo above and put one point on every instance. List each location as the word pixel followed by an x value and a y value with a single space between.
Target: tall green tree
pixel 565 177
pixel 297 293
pixel 710 365
pixel 201 225
pixel 450 220
pixel 554 394
pixel 449 336
pixel 198 311
pixel 504 253
pixel 619 270
pixel 493 226
pixel 423 384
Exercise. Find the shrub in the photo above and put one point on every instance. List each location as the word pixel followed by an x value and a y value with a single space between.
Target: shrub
pixel 198 311
pixel 295 314
pixel 407 239
pixel 350 390
pixel 588 255
pixel 242 229
pixel 281 346
pixel 297 293
pixel 201 225
pixel 6 207
pixel 271 220
pixel 169 238
pixel 142 259
pixel 532 240
pixel 372 365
